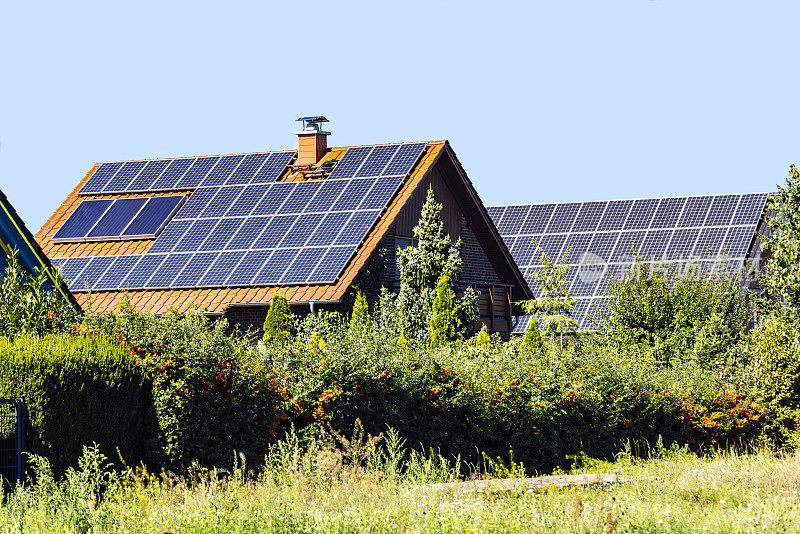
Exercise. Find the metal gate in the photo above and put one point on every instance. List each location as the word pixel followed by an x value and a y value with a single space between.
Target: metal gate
pixel 12 442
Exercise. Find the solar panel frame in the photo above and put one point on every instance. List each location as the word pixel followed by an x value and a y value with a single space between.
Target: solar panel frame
pixel 82 220
pixel 153 217
pixel 116 218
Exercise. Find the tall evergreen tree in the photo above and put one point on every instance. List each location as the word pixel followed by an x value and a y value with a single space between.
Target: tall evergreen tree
pixel 278 324
pixel 360 317
pixel 435 255
pixel 444 321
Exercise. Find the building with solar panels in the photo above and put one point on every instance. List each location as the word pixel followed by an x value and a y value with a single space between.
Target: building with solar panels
pixel 227 232
pixel 600 240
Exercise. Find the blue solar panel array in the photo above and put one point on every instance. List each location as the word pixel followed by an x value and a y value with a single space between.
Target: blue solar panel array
pixel 121 218
pixel 240 227
pixel 187 173
pixel 601 239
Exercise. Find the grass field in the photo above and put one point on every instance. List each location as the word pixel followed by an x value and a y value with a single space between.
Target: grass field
pixel 675 493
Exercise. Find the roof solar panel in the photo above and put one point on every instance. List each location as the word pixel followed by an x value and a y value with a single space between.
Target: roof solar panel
pixel 274 198
pixel 303 265
pixel 352 195
pixel 331 264
pixel 563 218
pixel 117 218
pixel 167 271
pixel 116 272
pixel 627 246
pixel 277 227
pixel 329 228
pixel 124 177
pixel 642 213
pixel 251 196
pixel 301 230
pixel 248 268
pixel 404 159
pixel 222 170
pixel 709 242
pixel 71 271
pixel 149 174
pixel 153 216
pixel 221 234
pixel 695 211
pixel 197 172
pixel 171 176
pixel 682 243
pixel 551 245
pixel 195 235
pixel 144 269
pixel 100 178
pixel 247 170
pixel 93 272
pixel 655 244
pixel 173 233
pixel 355 230
pixel 737 241
pixel 222 200
pixel 350 162
pixel 512 220
pixel 248 233
pixel 220 270
pixel 377 160
pixel 81 221
pixel 326 197
pixel 615 215
pixel 197 203
pixel 195 269
pixel 271 270
pixel 538 218
pixel 589 216
pixel 381 193
pixel 524 249
pixel 749 209
pixel 722 209
pixel 298 199
pixel 273 167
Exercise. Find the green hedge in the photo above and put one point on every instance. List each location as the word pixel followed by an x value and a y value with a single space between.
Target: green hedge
pixel 79 390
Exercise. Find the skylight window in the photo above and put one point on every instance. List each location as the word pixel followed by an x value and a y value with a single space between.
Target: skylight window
pixel 119 219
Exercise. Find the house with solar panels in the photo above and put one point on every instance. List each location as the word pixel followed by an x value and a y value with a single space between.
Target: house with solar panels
pixel 717 233
pixel 15 235
pixel 225 233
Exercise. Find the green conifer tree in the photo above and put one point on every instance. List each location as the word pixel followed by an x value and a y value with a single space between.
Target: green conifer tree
pixel 533 335
pixel 556 302
pixel 421 266
pixel 444 321
pixel 278 324
pixel 483 339
pixel 360 317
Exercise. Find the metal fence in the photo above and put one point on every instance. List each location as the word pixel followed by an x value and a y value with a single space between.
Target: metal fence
pixel 12 442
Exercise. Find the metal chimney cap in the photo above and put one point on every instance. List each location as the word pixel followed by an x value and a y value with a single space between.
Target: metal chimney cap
pixel 312 122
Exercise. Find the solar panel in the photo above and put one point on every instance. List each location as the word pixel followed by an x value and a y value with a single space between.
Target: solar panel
pixel 71 270
pixel 171 176
pixel 405 159
pixel 195 269
pixel 124 176
pixel 377 160
pixel 93 272
pixel 144 269
pixel 237 205
pixel 149 174
pixel 220 270
pixel 100 178
pixel 196 173
pixel 222 170
pixel 248 268
pixel 381 193
pixel 350 162
pixel 271 270
pixel 273 167
pixel 331 264
pixel 247 169
pixel 81 221
pixel 116 272
pixel 604 237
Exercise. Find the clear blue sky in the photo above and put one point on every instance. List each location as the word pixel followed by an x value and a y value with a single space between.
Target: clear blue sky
pixel 542 101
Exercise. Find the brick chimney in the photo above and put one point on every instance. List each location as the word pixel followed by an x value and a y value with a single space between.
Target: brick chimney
pixel 312 141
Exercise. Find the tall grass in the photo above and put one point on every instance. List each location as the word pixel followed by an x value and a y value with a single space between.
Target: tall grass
pixel 314 487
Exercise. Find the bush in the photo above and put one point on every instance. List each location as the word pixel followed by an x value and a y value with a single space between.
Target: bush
pixel 278 323
pixel 79 390
pixel 213 395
